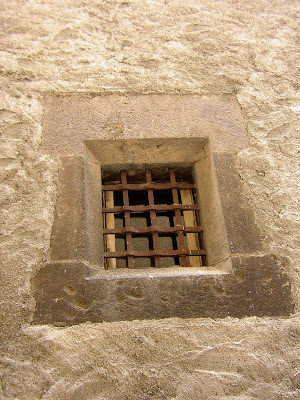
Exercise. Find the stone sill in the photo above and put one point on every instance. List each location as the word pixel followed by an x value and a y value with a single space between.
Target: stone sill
pixel 69 293
pixel 125 273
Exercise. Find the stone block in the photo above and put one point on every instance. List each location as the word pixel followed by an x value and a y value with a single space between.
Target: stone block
pixel 67 238
pixel 68 293
pixel 262 286
pixel 242 231
pixel 59 294
pixel 69 120
pixel 157 297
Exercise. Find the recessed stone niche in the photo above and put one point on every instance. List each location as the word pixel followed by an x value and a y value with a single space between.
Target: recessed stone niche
pixel 91 134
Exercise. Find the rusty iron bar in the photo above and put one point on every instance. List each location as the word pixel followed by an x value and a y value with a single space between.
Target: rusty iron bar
pixel 155 207
pixel 147 186
pixel 153 218
pixel 178 217
pixel 153 253
pixel 130 262
pixel 150 229
pixel 179 230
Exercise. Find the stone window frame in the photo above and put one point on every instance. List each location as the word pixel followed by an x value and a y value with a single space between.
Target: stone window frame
pixel 87 132
pixel 185 152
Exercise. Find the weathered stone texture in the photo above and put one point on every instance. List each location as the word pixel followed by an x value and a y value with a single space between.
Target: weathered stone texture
pixel 68 120
pixel 68 225
pixel 68 293
pixel 243 234
pixel 172 359
pixel 248 48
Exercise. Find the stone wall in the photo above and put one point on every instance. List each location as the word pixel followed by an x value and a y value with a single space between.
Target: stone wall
pixel 248 49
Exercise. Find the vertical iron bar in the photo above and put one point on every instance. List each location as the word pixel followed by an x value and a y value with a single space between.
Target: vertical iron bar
pixel 127 219
pixel 178 218
pixel 110 224
pixel 153 218
pixel 189 217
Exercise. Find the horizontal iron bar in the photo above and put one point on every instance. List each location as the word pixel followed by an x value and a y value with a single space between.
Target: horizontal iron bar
pixel 146 186
pixel 157 207
pixel 153 253
pixel 149 229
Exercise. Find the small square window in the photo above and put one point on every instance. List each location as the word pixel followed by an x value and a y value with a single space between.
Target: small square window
pixel 151 219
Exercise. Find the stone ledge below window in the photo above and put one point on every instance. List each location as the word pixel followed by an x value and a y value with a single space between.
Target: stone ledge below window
pixel 72 293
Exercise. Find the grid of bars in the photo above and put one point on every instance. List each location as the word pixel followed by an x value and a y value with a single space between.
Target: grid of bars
pixel 185 232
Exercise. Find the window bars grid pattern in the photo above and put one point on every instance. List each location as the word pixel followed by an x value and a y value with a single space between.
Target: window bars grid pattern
pixel 156 221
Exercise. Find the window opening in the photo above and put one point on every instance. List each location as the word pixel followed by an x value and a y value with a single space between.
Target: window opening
pixel 151 219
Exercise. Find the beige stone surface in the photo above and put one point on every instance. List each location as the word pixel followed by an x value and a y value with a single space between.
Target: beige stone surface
pixel 249 49
pixel 70 119
pixel 171 359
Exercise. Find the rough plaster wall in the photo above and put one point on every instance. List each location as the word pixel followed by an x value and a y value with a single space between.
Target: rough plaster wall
pixel 249 48
pixel 171 359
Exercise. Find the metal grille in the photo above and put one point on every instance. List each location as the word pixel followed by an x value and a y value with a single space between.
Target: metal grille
pixel 169 230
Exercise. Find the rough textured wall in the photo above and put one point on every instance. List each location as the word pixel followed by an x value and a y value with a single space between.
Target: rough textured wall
pixel 249 48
